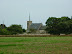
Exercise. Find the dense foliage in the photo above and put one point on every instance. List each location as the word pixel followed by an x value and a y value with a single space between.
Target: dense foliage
pixel 59 25
pixel 13 29
pixel 4 31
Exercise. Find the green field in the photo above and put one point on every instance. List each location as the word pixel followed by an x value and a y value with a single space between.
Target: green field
pixel 35 45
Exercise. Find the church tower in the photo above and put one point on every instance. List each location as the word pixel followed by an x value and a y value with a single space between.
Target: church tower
pixel 29 23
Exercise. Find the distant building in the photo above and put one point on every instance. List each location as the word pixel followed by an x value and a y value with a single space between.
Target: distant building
pixel 38 27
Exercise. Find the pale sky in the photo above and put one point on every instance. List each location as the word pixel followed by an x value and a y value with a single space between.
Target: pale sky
pixel 17 11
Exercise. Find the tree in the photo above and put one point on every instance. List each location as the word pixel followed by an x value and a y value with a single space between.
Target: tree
pixel 69 23
pixel 24 30
pixel 4 31
pixel 59 25
pixel 63 27
pixel 64 18
pixel 0 30
pixel 52 25
pixel 15 29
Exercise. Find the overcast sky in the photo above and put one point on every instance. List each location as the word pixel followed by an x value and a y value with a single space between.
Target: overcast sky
pixel 17 11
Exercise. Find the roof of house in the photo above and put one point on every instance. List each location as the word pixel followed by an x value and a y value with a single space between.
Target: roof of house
pixel 35 26
pixel 43 28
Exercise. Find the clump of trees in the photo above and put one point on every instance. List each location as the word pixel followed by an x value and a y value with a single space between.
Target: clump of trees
pixel 11 30
pixel 59 26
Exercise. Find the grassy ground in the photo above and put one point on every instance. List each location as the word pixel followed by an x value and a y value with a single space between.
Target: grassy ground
pixel 35 45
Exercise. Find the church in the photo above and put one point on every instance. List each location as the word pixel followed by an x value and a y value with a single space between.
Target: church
pixel 37 28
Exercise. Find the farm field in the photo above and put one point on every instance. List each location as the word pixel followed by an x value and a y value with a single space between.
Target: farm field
pixel 35 45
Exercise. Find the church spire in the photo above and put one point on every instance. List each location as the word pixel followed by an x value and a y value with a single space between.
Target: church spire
pixel 29 16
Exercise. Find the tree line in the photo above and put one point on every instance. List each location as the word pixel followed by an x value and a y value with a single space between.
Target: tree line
pixel 62 25
pixel 54 25
pixel 11 30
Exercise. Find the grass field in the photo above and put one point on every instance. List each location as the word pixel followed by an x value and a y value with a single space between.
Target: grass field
pixel 35 45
